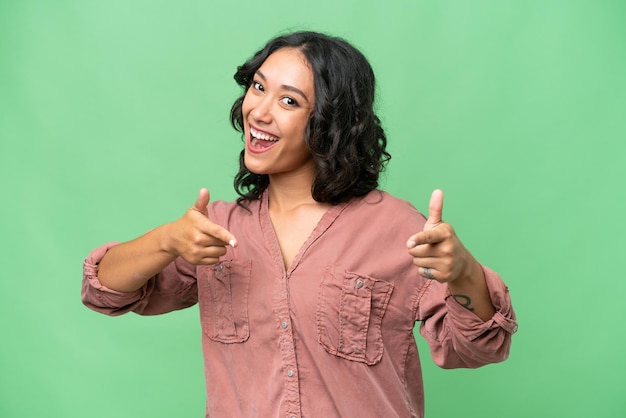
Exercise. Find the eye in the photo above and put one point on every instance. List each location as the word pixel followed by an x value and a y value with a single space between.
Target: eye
pixel 257 86
pixel 289 101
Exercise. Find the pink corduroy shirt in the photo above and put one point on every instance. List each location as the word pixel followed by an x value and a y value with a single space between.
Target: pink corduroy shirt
pixel 332 336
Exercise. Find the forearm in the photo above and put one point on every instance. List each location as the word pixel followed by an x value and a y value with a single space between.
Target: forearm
pixel 128 266
pixel 471 291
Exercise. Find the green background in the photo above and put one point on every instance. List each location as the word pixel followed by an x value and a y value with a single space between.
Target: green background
pixel 114 113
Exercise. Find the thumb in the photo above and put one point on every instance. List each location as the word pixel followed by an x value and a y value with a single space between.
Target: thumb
pixel 435 209
pixel 201 206
pixel 202 202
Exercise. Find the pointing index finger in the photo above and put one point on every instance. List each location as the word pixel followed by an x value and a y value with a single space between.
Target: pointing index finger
pixel 431 236
pixel 221 233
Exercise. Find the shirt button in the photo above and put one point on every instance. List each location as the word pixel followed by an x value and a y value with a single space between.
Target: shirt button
pixel 359 283
pixel 283 324
pixel 220 268
pixel 290 373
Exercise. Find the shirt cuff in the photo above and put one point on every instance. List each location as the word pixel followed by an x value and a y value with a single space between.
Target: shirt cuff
pixel 470 325
pixel 92 285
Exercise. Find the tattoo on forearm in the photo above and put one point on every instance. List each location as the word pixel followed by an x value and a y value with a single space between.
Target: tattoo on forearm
pixel 464 301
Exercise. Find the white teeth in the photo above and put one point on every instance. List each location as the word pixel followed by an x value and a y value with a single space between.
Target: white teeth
pixel 263 136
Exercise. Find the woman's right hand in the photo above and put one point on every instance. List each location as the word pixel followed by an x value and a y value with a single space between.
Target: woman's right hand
pixel 195 238
pixel 126 267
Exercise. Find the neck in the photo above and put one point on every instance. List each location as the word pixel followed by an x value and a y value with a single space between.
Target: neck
pixel 287 191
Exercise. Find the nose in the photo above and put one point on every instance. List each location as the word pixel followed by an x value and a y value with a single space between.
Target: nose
pixel 261 112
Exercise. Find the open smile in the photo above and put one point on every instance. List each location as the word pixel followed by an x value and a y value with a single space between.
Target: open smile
pixel 261 141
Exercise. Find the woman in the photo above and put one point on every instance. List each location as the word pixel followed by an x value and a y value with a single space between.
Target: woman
pixel 308 288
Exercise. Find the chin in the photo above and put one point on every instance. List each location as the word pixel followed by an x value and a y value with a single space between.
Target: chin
pixel 251 166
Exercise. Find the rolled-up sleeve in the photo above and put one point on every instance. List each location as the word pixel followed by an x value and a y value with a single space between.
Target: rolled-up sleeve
pixel 173 289
pixel 456 336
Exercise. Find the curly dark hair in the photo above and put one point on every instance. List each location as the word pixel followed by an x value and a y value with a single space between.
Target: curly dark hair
pixel 344 134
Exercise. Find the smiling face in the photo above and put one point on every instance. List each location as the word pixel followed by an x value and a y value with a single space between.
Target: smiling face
pixel 276 111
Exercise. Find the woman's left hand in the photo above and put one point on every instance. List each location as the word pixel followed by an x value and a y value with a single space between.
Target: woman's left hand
pixel 437 251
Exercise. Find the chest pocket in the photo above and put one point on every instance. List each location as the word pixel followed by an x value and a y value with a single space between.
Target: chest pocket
pixel 350 310
pixel 223 295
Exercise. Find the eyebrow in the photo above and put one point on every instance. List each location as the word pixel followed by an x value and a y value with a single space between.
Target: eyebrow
pixel 286 87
